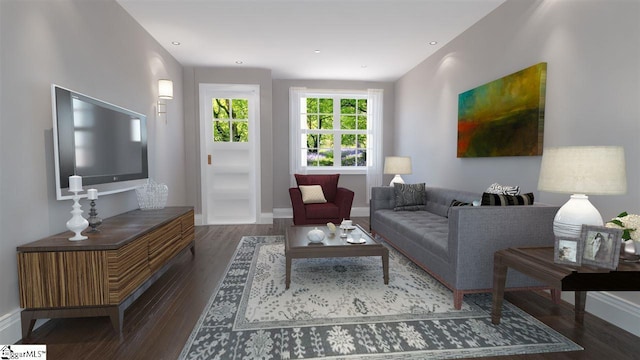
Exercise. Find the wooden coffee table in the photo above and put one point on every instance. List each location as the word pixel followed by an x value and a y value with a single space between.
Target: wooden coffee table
pixel 298 246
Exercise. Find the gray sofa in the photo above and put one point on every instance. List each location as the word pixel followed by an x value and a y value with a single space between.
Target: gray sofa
pixel 456 244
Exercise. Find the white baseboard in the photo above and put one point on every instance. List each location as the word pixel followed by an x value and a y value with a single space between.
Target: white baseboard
pixel 611 308
pixel 10 327
pixel 265 218
pixel 620 312
pixel 287 213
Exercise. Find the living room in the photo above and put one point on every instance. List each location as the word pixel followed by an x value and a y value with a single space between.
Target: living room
pixel 592 49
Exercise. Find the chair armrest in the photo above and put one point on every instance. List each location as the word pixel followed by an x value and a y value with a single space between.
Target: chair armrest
pixel 297 205
pixel 344 200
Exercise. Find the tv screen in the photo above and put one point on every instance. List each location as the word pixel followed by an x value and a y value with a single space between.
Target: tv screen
pixel 101 142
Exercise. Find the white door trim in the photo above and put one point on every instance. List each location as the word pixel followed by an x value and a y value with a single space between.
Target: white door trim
pixel 205 89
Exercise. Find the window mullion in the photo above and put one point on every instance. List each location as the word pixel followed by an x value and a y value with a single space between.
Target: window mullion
pixel 337 137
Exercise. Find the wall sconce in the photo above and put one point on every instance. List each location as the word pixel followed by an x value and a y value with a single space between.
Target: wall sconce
pixel 165 92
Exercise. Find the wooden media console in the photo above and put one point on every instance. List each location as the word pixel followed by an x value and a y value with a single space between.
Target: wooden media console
pixel 103 275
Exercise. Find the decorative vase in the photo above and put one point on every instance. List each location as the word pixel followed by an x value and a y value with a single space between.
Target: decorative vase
pixel 316 235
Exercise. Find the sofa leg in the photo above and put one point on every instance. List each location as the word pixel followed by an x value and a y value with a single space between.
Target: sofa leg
pixel 457 299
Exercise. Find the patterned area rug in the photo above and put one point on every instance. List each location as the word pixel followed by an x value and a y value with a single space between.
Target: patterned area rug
pixel 340 308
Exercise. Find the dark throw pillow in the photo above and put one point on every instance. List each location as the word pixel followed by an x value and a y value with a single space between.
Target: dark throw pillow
pixel 455 202
pixel 409 197
pixel 506 200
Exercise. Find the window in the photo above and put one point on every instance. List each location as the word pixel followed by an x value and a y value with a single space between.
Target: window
pixel 230 120
pixel 332 131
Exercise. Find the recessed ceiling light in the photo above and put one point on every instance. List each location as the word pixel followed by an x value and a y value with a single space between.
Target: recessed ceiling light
pixel 316 51
pixel 239 62
pixel 433 42
pixel 363 66
pixel 176 43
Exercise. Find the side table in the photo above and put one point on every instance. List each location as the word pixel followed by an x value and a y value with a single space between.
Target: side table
pixel 538 263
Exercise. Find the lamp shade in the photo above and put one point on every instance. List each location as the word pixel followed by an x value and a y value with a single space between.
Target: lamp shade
pixel 581 170
pixel 592 170
pixel 165 89
pixel 397 165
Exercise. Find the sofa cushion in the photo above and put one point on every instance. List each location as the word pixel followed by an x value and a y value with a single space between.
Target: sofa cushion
pixel 329 183
pixel 312 194
pixel 322 211
pixel 506 200
pixel 429 231
pixel 409 197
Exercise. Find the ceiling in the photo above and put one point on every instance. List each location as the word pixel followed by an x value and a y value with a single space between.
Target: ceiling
pixel 372 40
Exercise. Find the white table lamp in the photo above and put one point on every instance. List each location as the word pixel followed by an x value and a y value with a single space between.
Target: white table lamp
pixel 397 165
pixel 581 170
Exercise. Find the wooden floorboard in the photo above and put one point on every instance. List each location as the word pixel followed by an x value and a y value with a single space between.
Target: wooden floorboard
pixel 157 325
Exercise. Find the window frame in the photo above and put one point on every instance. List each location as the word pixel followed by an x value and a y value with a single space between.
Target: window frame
pixel 298 121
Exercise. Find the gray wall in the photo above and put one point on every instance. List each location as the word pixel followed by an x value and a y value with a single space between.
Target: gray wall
pixel 281 177
pixel 593 93
pixel 193 77
pixel 97 49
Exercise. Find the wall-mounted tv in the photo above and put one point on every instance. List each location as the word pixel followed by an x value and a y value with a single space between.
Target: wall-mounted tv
pixel 104 143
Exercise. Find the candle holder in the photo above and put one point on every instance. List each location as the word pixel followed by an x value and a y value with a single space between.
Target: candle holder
pixel 77 223
pixel 94 220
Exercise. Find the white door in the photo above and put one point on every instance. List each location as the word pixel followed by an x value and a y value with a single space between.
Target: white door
pixel 229 144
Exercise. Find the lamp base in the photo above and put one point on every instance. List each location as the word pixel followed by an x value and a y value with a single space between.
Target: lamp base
pixel 573 214
pixel 396 179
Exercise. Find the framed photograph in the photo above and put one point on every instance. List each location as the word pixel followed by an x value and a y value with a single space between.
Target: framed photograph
pixel 568 251
pixel 601 246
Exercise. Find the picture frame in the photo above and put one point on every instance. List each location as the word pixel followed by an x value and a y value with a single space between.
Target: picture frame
pixel 601 246
pixel 568 251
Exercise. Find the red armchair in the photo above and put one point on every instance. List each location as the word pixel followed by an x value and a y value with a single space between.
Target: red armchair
pixel 337 207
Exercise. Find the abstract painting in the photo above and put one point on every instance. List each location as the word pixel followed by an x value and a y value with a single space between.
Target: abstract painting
pixel 504 117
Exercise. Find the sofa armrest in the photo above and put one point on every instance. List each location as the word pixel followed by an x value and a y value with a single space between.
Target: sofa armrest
pixel 344 201
pixel 382 197
pixel 477 232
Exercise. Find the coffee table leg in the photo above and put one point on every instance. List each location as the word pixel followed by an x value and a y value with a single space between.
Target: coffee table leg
pixel 499 279
pixel 287 280
pixel 385 265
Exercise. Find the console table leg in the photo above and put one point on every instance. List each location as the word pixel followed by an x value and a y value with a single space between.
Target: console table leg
pixel 581 299
pixel 499 279
pixel 28 322
pixel 116 314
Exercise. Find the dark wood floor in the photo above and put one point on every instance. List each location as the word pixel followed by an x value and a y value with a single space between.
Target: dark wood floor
pixel 158 324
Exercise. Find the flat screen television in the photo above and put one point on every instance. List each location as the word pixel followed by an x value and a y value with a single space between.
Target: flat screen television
pixel 104 143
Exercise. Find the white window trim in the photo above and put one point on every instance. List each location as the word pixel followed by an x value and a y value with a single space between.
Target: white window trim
pixel 373 170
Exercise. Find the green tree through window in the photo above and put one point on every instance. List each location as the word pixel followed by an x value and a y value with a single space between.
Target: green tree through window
pixel 230 120
pixel 336 131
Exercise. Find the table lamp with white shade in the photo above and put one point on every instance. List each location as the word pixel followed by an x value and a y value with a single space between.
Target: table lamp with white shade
pixel 581 171
pixel 397 165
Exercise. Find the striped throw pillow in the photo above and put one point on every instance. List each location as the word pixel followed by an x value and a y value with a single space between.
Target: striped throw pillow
pixel 506 200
